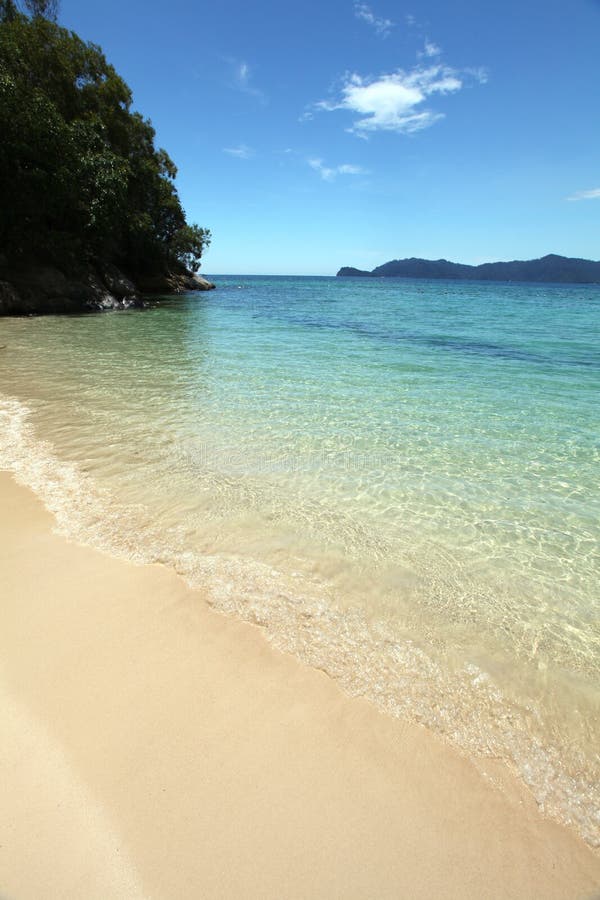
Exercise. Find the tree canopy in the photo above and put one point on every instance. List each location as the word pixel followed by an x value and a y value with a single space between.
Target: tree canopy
pixel 80 176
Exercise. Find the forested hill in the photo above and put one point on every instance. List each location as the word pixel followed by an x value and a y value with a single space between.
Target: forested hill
pixel 88 206
pixel 551 268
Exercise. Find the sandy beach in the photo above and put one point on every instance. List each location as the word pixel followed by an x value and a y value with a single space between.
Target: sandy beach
pixel 154 748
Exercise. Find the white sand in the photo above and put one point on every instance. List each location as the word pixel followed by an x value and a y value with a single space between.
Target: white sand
pixel 153 748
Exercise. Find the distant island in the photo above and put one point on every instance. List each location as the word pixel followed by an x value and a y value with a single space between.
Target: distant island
pixel 551 268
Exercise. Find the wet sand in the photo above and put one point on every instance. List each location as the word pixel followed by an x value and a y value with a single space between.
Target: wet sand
pixel 154 748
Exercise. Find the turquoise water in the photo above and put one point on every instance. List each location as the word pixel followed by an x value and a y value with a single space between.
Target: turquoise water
pixel 398 479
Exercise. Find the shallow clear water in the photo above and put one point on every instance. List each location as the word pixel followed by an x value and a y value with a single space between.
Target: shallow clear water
pixel 398 479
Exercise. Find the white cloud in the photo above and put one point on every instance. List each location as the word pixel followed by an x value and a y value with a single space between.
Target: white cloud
pixel 242 151
pixel 348 169
pixel 381 26
pixel 242 79
pixel 328 174
pixel 593 194
pixel 394 102
pixel 479 73
pixel 429 50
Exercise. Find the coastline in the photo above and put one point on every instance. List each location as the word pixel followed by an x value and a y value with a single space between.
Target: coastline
pixel 160 749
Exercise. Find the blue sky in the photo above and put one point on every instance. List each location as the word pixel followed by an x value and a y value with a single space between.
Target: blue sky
pixel 314 135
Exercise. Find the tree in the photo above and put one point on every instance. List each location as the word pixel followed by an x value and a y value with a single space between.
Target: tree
pixel 188 244
pixel 8 10
pixel 80 176
pixel 45 9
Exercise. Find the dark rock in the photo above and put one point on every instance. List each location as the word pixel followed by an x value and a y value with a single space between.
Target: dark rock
pixel 96 295
pixel 10 302
pixel 116 282
pixel 173 283
pixel 39 290
pixel 201 284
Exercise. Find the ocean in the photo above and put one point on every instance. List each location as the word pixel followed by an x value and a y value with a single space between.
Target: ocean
pixel 397 479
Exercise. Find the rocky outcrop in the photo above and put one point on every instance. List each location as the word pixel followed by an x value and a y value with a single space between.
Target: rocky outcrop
pixel 10 302
pixel 39 290
pixel 201 284
pixel 117 283
pixel 173 283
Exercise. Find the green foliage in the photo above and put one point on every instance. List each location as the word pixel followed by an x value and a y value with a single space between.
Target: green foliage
pixel 8 10
pixel 80 177
pixel 187 245
pixel 46 9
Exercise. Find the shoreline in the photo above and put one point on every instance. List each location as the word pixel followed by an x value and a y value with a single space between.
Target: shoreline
pixel 407 685
pixel 158 748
